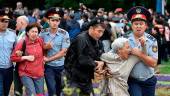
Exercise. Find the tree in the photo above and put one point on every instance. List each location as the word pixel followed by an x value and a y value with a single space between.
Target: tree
pixel 70 4
pixel 50 3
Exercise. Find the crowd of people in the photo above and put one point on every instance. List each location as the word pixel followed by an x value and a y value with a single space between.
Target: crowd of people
pixel 69 49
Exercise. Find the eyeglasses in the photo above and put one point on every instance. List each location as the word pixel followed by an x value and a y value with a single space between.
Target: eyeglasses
pixel 4 21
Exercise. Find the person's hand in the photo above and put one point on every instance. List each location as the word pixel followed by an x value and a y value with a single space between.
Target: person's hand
pixel 19 53
pixel 98 76
pixel 29 58
pixel 108 72
pixel 136 51
pixel 100 71
pixel 142 41
pixel 99 64
pixel 48 45
pixel 46 59
pixel 109 75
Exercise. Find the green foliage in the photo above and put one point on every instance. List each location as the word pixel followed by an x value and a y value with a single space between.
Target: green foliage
pixel 70 4
pixel 95 4
pixel 120 0
pixel 168 2
pixel 61 3
pixel 52 3
pixel 107 4
pixel 1 1
pixel 87 2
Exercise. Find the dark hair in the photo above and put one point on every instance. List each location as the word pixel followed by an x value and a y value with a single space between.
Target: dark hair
pixel 2 12
pixel 97 22
pixel 30 26
pixel 101 24
pixel 54 10
pixel 85 16
pixel 158 32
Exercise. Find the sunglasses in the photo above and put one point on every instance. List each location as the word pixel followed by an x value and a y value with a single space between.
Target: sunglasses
pixel 4 21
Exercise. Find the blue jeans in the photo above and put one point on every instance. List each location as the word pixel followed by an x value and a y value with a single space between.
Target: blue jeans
pixel 142 88
pixel 6 77
pixel 53 79
pixel 33 86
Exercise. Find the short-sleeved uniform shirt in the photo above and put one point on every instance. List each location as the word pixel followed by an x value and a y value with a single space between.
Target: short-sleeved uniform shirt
pixel 7 40
pixel 59 41
pixel 142 71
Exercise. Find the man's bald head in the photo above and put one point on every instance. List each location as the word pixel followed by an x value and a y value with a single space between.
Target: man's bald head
pixel 22 22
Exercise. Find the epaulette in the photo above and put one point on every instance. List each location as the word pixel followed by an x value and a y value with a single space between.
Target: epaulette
pixel 45 30
pixel 11 30
pixel 62 31
pixel 150 37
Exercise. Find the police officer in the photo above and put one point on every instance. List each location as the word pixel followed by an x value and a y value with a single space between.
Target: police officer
pixel 142 81
pixel 56 43
pixel 7 39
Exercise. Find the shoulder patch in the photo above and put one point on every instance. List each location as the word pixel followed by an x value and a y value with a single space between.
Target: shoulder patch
pixel 154 48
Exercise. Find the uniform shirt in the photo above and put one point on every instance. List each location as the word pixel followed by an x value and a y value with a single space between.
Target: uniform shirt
pixel 7 40
pixel 59 41
pixel 142 71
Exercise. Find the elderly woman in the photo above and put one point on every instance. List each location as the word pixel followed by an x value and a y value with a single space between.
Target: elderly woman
pixel 29 55
pixel 119 63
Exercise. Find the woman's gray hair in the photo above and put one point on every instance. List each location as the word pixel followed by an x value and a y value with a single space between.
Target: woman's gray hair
pixel 118 43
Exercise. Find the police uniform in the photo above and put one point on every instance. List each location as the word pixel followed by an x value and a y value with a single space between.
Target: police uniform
pixel 60 40
pixel 7 40
pixel 142 81
pixel 151 50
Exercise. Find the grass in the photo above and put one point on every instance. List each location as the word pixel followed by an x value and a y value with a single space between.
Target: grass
pixel 164 82
pixel 165 67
